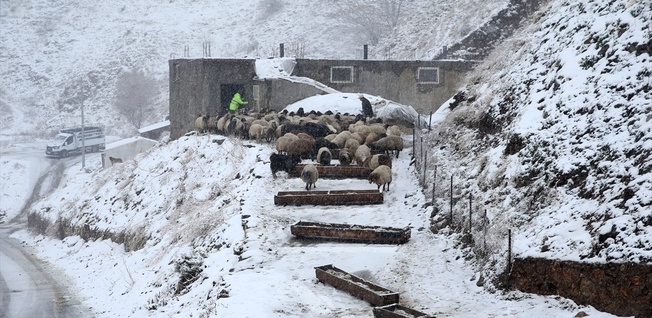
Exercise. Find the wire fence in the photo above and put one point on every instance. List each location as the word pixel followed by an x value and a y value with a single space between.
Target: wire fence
pixel 453 201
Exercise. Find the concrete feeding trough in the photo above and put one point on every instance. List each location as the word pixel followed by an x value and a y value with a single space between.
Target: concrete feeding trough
pixel 356 286
pixel 335 171
pixel 331 197
pixel 398 311
pixel 350 233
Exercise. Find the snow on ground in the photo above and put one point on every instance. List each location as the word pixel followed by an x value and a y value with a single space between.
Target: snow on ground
pixel 202 202
pixel 20 169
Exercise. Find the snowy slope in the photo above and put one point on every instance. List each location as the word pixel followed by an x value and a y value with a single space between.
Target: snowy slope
pixel 206 209
pixel 560 118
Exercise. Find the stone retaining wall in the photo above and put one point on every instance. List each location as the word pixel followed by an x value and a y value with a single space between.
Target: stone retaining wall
pixel 621 289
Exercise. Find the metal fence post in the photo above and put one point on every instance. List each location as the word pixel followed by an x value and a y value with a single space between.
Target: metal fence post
pixel 470 211
pixel 434 183
pixel 509 250
pixel 451 216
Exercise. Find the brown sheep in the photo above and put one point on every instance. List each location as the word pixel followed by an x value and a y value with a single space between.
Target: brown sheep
pixel 270 132
pixel 302 148
pixel 371 138
pixel 211 126
pixel 223 122
pixel 374 161
pixel 381 176
pixel 282 144
pixel 309 175
pixel 345 157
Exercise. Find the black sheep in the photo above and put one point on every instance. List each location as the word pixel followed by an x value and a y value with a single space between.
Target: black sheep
pixel 316 129
pixel 278 162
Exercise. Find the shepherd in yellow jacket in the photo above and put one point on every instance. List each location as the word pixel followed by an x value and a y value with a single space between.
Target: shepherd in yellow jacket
pixel 236 101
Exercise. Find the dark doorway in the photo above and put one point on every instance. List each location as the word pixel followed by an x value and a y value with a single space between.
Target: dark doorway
pixel 226 94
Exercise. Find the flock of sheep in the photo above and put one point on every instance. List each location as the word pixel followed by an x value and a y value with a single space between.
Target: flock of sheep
pixel 320 137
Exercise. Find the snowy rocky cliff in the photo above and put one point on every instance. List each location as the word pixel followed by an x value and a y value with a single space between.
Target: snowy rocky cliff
pixel 553 134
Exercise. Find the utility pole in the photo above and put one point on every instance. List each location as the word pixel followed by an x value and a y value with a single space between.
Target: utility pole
pixel 81 89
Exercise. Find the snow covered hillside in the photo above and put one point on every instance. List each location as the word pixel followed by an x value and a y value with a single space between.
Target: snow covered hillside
pixel 215 245
pixel 553 135
pixel 57 54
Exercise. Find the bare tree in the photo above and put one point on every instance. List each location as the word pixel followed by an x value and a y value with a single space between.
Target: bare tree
pixel 374 18
pixel 134 94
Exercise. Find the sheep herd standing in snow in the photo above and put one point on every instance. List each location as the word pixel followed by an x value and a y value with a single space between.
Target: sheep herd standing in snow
pixel 320 137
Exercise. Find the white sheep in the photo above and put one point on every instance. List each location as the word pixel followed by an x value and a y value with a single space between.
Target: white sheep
pixel 352 145
pixel 201 124
pixel 341 138
pixel 377 128
pixel 381 176
pixel 362 153
pixel 256 132
pixel 282 144
pixel 324 156
pixel 388 144
pixel 309 175
pixel 394 130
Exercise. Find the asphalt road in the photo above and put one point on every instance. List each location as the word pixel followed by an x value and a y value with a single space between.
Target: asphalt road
pixel 29 287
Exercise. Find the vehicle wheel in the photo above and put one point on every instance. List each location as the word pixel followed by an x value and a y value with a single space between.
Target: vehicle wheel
pixel 64 154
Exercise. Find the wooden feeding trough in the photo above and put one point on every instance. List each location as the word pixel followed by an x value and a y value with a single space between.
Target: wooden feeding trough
pixel 351 233
pixel 356 286
pixel 335 171
pixel 331 197
pixel 398 311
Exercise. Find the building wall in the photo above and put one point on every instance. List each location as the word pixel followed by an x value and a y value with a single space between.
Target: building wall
pixel 197 85
pixel 196 88
pixel 277 94
pixel 393 80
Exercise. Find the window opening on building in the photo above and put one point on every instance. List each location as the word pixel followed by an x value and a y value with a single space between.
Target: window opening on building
pixel 428 75
pixel 341 74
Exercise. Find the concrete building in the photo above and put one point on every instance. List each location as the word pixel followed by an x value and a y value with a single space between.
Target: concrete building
pixel 206 86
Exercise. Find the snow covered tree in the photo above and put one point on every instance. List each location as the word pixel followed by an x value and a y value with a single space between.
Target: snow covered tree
pixel 134 94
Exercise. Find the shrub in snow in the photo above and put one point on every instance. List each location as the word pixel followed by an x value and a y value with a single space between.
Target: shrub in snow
pixel 189 268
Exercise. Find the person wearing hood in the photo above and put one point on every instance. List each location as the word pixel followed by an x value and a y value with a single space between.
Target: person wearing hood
pixel 367 111
pixel 236 101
